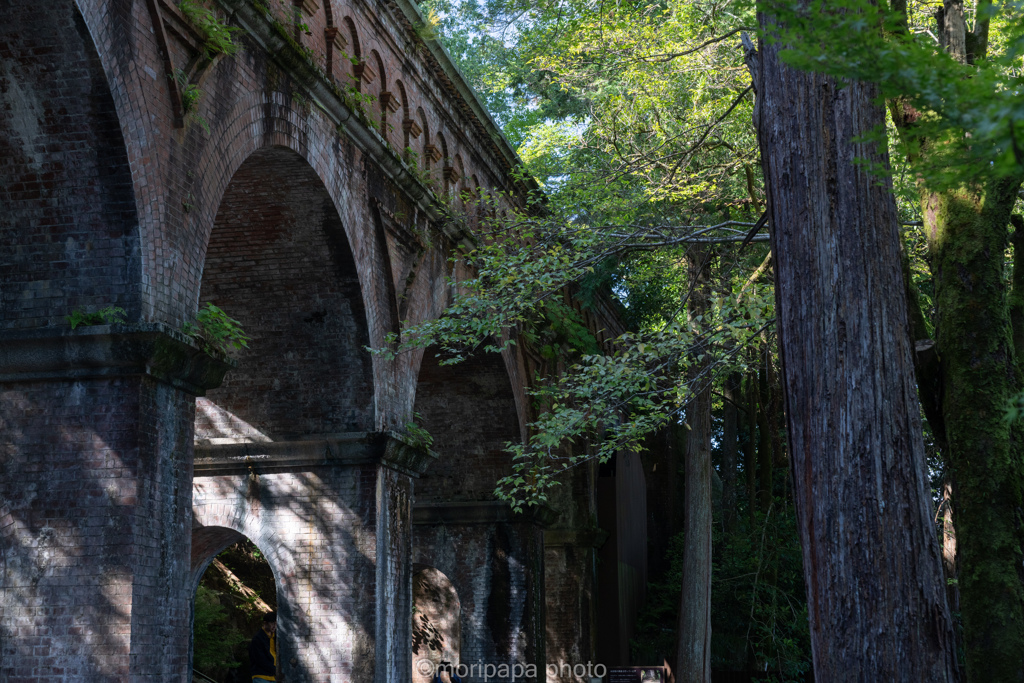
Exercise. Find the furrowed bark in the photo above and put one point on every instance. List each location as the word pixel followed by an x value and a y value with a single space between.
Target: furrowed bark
pixel 872 565
pixel 694 648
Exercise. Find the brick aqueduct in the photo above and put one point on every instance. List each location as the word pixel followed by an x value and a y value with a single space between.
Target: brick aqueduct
pixel 129 458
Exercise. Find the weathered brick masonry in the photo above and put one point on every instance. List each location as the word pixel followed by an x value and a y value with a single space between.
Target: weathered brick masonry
pixel 129 457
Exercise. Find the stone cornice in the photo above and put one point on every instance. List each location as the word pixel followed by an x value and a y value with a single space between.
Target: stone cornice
pixel 231 456
pixel 480 512
pixel 148 349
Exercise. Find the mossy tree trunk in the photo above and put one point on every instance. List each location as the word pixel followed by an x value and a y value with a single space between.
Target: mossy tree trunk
pixel 876 596
pixel 967 229
pixel 978 329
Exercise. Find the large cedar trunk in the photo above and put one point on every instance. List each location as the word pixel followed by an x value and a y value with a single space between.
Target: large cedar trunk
pixel 694 653
pixel 872 565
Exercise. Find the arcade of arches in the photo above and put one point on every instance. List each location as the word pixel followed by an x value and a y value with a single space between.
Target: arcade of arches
pixel 131 455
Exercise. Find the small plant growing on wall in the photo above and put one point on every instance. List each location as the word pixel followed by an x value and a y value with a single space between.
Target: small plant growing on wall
pixel 111 315
pixel 215 330
pixel 418 436
pixel 218 36
pixel 190 96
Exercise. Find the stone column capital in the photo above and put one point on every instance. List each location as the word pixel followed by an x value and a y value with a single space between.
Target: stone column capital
pixel 99 351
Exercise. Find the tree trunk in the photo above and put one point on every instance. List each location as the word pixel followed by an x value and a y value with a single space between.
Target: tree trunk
pixel 694 651
pixel 750 454
pixel 978 334
pixel 764 444
pixel 730 449
pixel 1016 298
pixel 967 232
pixel 872 565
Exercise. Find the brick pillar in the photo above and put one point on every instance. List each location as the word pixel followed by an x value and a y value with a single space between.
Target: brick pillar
pixel 495 561
pixel 400 464
pixel 570 559
pixel 95 467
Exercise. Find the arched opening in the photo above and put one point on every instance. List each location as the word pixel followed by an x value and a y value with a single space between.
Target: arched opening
pixel 279 262
pixel 233 588
pixel 354 53
pixel 410 128
pixel 436 623
pixel 429 150
pixel 386 101
pixel 446 163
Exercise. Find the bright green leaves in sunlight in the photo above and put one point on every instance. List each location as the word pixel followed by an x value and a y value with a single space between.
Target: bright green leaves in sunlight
pixel 975 107
pixel 635 119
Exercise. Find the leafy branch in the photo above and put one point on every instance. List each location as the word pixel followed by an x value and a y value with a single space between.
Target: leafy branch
pixel 216 331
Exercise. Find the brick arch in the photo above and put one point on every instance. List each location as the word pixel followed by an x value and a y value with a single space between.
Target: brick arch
pixel 383 95
pixel 215 530
pixel 69 232
pixel 459 170
pixel 442 144
pixel 407 122
pixel 445 162
pixel 378 64
pixel 354 51
pixel 210 540
pixel 278 260
pixel 260 123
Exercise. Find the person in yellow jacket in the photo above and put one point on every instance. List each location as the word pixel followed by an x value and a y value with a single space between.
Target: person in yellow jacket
pixel 263 650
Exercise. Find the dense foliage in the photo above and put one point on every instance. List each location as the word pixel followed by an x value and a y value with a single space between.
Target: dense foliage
pixel 636 119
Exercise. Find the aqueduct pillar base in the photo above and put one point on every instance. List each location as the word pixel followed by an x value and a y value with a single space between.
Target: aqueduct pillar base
pixel 95 501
